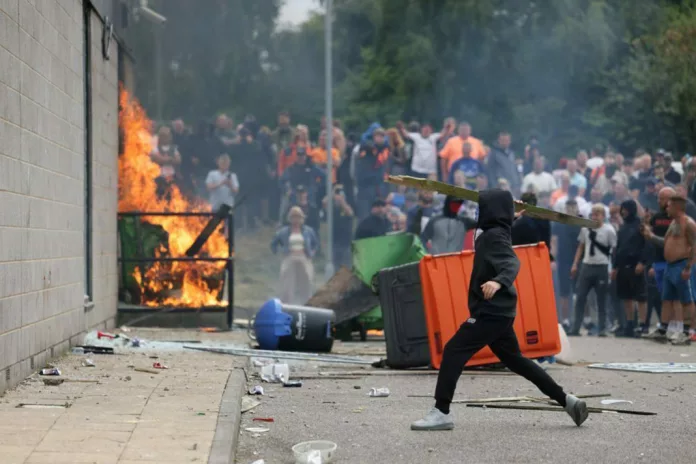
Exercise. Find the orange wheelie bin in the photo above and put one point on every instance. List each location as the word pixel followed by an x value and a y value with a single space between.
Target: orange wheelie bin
pixel 445 282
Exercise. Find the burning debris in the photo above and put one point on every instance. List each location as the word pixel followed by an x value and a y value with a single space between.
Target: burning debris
pixel 170 283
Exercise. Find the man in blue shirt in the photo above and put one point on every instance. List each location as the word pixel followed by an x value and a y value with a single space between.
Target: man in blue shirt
pixel 469 166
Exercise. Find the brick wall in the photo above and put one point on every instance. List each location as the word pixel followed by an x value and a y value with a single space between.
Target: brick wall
pixel 42 175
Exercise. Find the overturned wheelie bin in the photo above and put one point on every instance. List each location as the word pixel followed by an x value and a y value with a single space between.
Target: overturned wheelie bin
pixel 351 293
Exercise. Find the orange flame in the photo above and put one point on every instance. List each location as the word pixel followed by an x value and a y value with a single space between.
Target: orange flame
pixel 200 282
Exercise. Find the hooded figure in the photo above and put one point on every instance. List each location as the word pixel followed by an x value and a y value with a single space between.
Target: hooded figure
pixel 631 247
pixel 446 233
pixel 492 304
pixel 494 258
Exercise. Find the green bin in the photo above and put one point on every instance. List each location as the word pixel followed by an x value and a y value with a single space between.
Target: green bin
pixel 371 255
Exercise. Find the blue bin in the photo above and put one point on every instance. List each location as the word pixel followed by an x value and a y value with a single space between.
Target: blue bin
pixel 294 328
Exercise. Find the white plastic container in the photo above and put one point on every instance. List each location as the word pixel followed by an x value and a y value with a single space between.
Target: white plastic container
pixel 276 373
pixel 303 450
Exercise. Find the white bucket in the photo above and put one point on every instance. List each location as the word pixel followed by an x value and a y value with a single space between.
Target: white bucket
pixel 303 450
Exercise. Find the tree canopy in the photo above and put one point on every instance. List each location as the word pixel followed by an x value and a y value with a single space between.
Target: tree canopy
pixel 572 72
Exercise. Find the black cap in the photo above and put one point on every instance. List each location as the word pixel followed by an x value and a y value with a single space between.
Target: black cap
pixel 378 203
pixel 300 188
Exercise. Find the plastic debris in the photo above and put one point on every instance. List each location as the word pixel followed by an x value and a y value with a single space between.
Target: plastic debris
pixel 107 335
pixel 87 363
pixel 314 457
pixel 78 350
pixel 617 401
pixel 275 373
pixel 378 392
pixel 256 390
pixel 263 419
pixel 135 342
pixel 50 371
pixel 293 383
pixel 260 461
pixel 158 365
pixel 257 429
pixel 249 403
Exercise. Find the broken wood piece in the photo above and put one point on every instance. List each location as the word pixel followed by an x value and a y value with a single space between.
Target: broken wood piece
pixel 472 195
pixel 558 408
pixel 147 370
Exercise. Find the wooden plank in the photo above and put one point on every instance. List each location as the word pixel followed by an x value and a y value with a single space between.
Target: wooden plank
pixel 559 409
pixel 472 195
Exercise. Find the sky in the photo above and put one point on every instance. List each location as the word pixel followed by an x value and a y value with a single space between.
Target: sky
pixel 295 12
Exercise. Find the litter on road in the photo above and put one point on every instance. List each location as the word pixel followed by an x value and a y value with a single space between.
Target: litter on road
pixel 652 368
pixel 558 409
pixel 320 358
pixel 146 370
pixel 378 392
pixel 249 403
pixel 612 401
pixel 257 429
pixel 256 390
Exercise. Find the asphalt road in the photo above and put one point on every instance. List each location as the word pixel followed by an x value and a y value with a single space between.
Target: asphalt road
pixel 376 430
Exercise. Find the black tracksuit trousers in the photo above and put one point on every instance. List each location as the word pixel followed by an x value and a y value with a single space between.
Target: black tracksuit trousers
pixel 498 333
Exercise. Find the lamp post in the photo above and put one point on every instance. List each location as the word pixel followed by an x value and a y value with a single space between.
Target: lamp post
pixel 328 100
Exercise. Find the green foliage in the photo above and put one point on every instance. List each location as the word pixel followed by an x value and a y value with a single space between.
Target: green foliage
pixel 573 72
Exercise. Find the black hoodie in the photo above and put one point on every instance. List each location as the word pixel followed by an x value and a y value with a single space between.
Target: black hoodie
pixel 494 258
pixel 631 247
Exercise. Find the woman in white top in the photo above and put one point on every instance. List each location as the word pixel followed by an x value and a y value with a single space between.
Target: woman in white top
pixel 299 244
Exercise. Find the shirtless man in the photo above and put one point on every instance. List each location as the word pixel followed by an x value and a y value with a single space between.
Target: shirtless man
pixel 679 246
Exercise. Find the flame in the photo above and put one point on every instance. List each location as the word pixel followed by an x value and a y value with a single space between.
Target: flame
pixel 200 282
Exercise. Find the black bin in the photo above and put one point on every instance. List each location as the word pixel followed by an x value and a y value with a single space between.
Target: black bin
pixel 294 328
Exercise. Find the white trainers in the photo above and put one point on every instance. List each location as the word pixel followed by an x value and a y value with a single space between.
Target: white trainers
pixel 434 420
pixel 681 339
pixel 576 409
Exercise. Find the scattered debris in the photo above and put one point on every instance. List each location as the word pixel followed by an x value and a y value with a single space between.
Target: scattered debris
pixel 653 368
pixel 263 419
pixel 125 329
pixel 87 363
pixel 43 406
pixel 128 378
pixel 194 447
pixel 378 392
pixel 256 390
pixel 260 461
pixel 308 450
pixel 275 373
pixel 135 342
pixel 106 335
pixel 558 409
pixel 612 401
pixel 53 382
pixel 158 365
pixel 325 358
pixel 147 370
pixel 97 349
pixel 50 371
pixel 78 350
pixel 257 429
pixel 359 410
pixel 357 387
pixel 249 403
pixel 201 414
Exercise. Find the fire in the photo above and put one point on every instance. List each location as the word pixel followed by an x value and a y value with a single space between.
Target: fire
pixel 199 282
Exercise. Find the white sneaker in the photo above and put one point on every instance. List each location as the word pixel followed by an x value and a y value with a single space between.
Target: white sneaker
pixel 681 339
pixel 434 420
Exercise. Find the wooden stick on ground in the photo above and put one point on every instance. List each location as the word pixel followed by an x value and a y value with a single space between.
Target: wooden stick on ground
pixel 472 195
pixel 559 409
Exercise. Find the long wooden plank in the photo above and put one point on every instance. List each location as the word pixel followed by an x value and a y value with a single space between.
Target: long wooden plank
pixel 472 195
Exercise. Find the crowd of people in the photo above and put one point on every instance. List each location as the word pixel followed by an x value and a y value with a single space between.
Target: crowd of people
pixel 608 280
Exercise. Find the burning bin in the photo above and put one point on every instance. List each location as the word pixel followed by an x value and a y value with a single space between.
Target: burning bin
pixel 278 326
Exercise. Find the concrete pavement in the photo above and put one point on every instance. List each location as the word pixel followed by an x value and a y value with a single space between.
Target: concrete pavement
pixel 376 430
pixel 119 415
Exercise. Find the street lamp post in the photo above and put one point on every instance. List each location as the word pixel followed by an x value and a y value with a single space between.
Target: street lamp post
pixel 328 35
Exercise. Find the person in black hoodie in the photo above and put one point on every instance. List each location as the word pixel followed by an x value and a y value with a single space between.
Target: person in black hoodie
pixel 492 304
pixel 628 268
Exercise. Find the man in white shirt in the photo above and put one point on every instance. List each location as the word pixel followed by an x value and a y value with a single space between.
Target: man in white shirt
pixel 424 157
pixel 596 159
pixel 595 247
pixel 539 180
pixel 583 205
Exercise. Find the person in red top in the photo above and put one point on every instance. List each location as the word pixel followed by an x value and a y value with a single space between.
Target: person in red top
pixel 452 150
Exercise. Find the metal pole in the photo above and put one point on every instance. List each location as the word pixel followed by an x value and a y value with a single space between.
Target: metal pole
pixel 230 269
pixel 328 35
pixel 158 30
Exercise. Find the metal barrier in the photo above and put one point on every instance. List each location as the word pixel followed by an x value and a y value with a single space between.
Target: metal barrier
pixel 225 213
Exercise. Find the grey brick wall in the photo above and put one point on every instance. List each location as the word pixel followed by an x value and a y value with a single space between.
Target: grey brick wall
pixel 42 174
